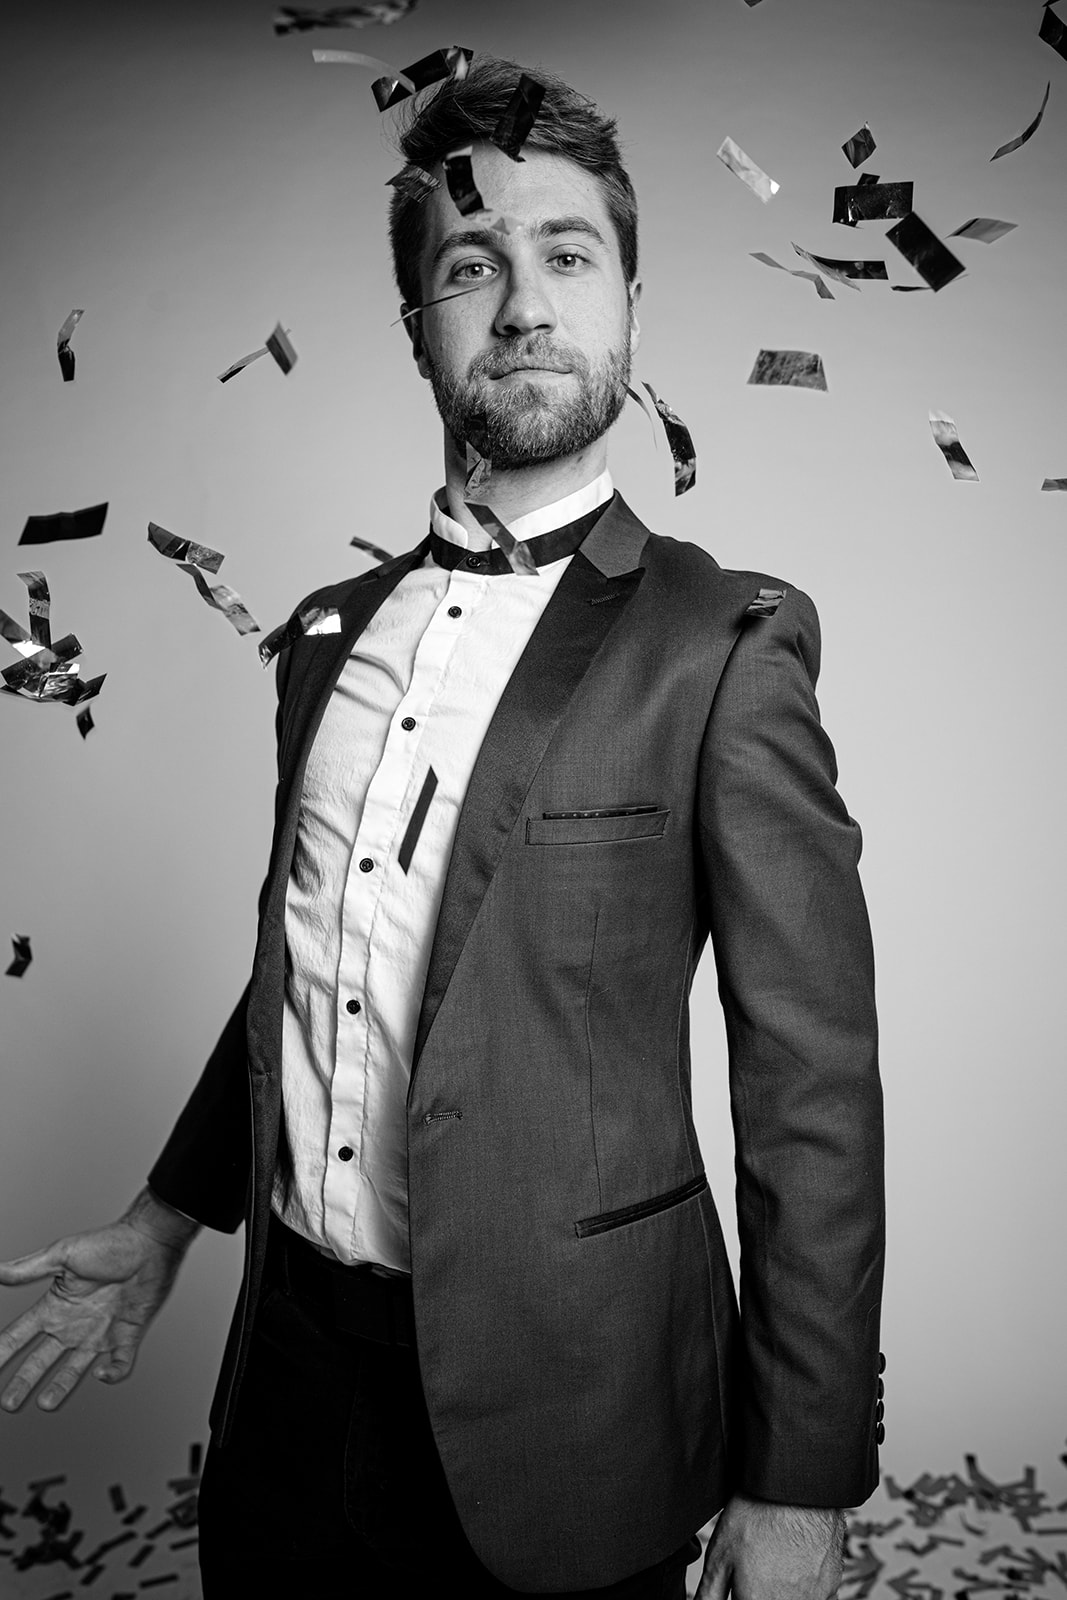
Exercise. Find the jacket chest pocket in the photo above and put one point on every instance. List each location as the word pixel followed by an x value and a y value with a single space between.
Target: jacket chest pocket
pixel 608 825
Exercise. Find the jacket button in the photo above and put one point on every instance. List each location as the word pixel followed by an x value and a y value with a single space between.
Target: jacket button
pixel 881 1362
pixel 881 1388
pixel 353 1006
pixel 879 1412
pixel 346 1152
pixel 407 724
pixel 879 1433
pixel 366 865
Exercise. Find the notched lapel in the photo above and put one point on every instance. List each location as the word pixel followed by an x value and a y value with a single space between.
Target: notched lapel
pixel 561 649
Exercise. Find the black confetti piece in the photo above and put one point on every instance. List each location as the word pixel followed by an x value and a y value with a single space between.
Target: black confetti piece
pixel 280 347
pixel 1053 31
pixel 860 147
pixel 871 202
pixel 418 817
pixel 931 259
pixel 22 959
pixel 1029 131
pixel 518 117
pixel 84 524
pixel 459 175
pixel 63 350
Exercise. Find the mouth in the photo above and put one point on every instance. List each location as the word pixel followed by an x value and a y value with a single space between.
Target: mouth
pixel 530 367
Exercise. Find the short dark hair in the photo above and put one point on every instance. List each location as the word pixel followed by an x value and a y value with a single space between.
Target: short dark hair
pixel 467 109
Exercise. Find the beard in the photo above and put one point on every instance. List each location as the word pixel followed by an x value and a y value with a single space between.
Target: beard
pixel 523 423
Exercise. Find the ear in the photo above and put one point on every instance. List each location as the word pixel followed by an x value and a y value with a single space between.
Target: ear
pixel 413 325
pixel 635 327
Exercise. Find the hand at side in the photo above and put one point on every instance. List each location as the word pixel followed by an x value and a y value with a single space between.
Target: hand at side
pixel 107 1286
pixel 762 1551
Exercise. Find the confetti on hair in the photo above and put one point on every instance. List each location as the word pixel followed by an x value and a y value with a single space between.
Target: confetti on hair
pixel 518 117
pixel 63 350
pixel 413 183
pixel 459 175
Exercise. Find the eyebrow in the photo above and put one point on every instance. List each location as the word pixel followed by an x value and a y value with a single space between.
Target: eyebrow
pixel 489 238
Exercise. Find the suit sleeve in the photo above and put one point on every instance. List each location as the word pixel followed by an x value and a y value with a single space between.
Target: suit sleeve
pixel 205 1165
pixel 795 965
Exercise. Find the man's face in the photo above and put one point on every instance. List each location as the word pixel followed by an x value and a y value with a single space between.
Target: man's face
pixel 534 366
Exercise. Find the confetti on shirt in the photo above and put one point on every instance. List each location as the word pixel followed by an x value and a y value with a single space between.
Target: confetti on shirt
pixel 798 369
pixel 742 166
pixel 63 350
pixel 1028 132
pixel 947 439
pixel 84 524
pixel 860 147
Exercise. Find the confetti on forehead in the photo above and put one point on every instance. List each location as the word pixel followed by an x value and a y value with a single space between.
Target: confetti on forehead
pixel 459 176
pixel 931 259
pixel 84 524
pixel 1029 131
pixel 63 350
pixel 742 166
pixel 860 147
pixel 518 117
pixel 947 439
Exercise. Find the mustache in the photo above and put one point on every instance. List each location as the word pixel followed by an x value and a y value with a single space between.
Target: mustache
pixel 513 353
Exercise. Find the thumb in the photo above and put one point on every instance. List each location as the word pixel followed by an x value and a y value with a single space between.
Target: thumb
pixel 714 1580
pixel 38 1264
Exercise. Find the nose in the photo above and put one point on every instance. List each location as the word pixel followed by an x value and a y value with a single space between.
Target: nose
pixel 527 306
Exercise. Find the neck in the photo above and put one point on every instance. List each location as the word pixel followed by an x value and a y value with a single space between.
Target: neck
pixel 513 494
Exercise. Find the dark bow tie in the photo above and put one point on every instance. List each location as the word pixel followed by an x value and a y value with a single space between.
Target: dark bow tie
pixel 545 548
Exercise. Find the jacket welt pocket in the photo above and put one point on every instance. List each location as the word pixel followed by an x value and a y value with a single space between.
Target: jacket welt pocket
pixel 645 1208
pixel 604 829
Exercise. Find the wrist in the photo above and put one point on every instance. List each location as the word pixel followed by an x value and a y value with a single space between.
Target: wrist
pixel 161 1222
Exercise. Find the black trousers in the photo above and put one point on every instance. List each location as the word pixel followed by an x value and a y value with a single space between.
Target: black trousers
pixel 330 1483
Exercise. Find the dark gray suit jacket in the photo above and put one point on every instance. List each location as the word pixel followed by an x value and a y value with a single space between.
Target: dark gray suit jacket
pixel 594 1394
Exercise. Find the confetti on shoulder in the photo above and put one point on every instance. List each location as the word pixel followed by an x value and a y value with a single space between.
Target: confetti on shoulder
pixel 311 622
pixel 766 603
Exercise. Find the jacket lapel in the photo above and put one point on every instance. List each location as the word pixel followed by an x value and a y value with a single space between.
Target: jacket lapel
pixel 593 593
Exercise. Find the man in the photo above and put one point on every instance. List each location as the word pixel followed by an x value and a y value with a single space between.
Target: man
pixel 487 1337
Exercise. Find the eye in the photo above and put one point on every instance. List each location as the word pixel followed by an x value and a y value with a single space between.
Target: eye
pixel 570 260
pixel 471 271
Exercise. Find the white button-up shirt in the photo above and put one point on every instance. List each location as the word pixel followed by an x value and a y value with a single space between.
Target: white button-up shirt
pixel 417 692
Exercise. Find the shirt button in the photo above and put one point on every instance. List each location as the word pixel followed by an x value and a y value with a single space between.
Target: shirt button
pixel 366 865
pixel 476 563
pixel 345 1153
pixel 407 724
pixel 353 1006
pixel 455 611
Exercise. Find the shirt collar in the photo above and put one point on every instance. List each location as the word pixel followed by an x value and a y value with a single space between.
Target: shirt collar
pixel 555 515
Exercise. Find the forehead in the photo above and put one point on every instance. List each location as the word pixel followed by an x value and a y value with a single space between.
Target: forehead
pixel 538 188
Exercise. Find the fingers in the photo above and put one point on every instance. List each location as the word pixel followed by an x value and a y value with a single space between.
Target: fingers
pixel 38 1264
pixel 31 1372
pixel 70 1374
pixel 19 1333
